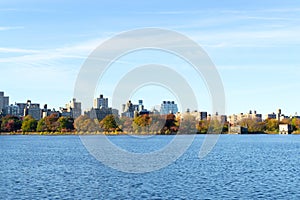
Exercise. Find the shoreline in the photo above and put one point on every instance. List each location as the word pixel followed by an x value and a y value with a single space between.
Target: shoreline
pixel 120 134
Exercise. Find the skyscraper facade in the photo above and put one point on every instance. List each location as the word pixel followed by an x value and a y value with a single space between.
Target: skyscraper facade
pixel 168 107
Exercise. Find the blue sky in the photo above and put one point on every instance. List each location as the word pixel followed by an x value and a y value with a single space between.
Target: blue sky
pixel 255 45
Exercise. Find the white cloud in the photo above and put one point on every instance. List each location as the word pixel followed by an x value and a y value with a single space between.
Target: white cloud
pixel 16 50
pixel 6 28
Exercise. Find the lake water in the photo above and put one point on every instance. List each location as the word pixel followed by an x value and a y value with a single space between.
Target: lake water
pixel 239 167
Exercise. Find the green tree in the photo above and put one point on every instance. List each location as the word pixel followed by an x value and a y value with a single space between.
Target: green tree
pixel 66 124
pixel 11 123
pixel 29 124
pixel 295 124
pixel 41 125
pixel 109 124
pixel 272 125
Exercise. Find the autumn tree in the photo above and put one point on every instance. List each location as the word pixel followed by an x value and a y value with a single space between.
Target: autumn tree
pixel 272 125
pixel 295 124
pixel 253 125
pixel 11 123
pixel 141 123
pixel 157 122
pixel 215 126
pixel 171 125
pixel 49 123
pixel 109 124
pixel 187 124
pixel 202 126
pixel 125 124
pixel 66 124
pixel 29 124
pixel 85 124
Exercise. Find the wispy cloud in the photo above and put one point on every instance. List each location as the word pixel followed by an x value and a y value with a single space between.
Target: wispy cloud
pixel 53 57
pixel 17 50
pixel 6 28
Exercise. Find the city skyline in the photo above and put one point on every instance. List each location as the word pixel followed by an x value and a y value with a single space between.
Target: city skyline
pixel 102 102
pixel 254 46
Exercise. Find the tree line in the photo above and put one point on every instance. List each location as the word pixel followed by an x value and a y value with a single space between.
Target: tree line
pixel 143 124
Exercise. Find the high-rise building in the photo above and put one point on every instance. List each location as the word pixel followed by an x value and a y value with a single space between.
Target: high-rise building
pixel 101 102
pixel 129 109
pixel 29 108
pixel 132 110
pixel 203 115
pixel 4 102
pixel 33 109
pixel 74 107
pixel 168 107
pixel 101 109
pixel 12 110
pixel 22 107
pixel 47 112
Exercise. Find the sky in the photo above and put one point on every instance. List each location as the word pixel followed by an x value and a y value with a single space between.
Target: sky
pixel 255 46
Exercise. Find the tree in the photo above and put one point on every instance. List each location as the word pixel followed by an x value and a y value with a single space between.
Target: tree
pixel 52 122
pixel 109 124
pixel 295 124
pixel 203 126
pixel 141 123
pixel 157 123
pixel 215 126
pixel 11 123
pixel 171 125
pixel 188 124
pixel 85 124
pixel 29 124
pixel 49 123
pixel 253 125
pixel 125 124
pixel 272 125
pixel 66 124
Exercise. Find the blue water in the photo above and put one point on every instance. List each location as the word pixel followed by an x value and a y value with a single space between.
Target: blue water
pixel 239 167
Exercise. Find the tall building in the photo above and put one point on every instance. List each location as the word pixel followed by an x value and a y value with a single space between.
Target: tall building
pixel 168 107
pixel 29 108
pixel 33 109
pixel 271 116
pixel 132 110
pixel 101 102
pixel 74 107
pixel 4 102
pixel 47 112
pixel 101 109
pixel 129 109
pixel 22 107
pixel 12 110
pixel 203 115
pixel 279 116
